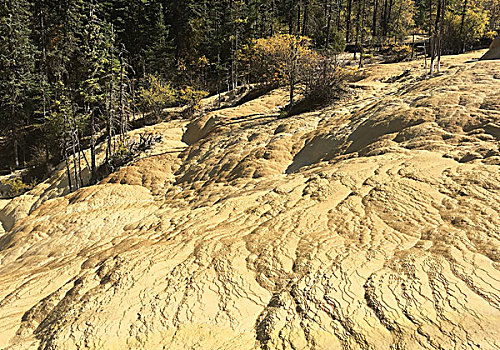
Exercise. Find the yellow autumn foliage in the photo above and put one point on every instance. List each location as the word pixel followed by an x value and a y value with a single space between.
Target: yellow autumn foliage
pixel 285 59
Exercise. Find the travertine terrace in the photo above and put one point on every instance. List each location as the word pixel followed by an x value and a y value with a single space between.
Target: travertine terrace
pixel 371 224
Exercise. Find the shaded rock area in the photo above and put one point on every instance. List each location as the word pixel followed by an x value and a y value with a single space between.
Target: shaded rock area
pixel 494 52
pixel 370 224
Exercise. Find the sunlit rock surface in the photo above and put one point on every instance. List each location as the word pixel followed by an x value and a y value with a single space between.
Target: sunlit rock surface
pixel 371 224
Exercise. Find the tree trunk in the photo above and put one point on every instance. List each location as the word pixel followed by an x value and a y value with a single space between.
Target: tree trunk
pixel 93 170
pixel 413 46
pixel 14 135
pixel 433 54
pixel 74 146
pixel 435 37
pixel 80 163
pixel 15 147
pixel 441 29
pixel 290 17
pixel 339 14
pixel 68 172
pixel 273 15
pixel 292 73
pixel 306 17
pixel 123 126
pixel 425 56
pixel 232 19
pixel 358 26
pixel 298 18
pixel 462 24
pixel 109 129
pixel 234 58
pixel 374 19
pixel 430 19
pixel 348 21
pixel 388 19
pixel 384 18
pixel 361 14
pixel 328 24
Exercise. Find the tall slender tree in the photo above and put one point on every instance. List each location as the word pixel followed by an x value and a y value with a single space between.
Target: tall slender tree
pixel 17 54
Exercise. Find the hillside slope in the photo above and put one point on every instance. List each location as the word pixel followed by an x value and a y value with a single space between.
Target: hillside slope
pixel 371 224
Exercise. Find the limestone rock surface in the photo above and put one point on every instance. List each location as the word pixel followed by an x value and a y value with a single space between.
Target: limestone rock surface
pixel 373 223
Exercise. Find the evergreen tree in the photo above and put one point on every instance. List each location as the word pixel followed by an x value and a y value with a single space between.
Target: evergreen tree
pixel 17 54
pixel 70 67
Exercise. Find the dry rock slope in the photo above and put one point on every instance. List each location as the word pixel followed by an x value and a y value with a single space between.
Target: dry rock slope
pixel 371 224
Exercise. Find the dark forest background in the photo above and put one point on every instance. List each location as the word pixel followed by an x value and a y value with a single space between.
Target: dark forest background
pixel 72 72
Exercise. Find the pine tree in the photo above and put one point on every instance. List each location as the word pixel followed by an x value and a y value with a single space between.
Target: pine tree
pixel 96 48
pixel 159 52
pixel 86 57
pixel 17 54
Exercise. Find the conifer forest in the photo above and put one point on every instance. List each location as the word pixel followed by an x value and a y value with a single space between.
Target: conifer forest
pixel 75 73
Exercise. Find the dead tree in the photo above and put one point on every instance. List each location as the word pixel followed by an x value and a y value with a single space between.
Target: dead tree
pixel 435 40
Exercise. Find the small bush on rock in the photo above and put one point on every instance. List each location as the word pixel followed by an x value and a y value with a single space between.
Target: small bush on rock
pixel 290 60
pixel 157 95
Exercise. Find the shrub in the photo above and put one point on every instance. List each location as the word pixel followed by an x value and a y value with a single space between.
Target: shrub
pixel 290 60
pixel 156 95
pixel 278 59
pixel 401 52
pixel 491 35
pixel 474 29
pixel 16 186
pixel 190 97
pixel 323 78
